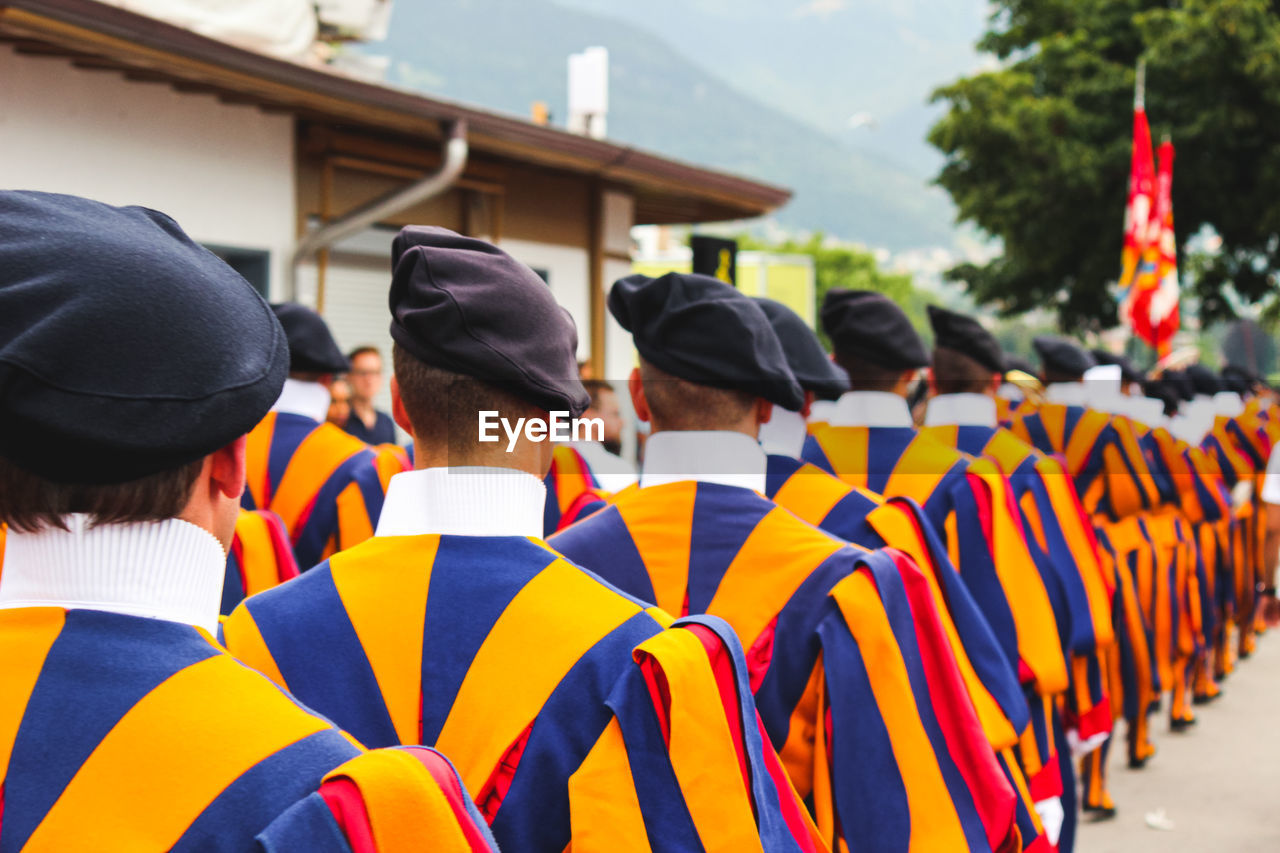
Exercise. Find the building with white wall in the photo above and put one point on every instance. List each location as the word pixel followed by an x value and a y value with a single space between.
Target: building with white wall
pixel 251 153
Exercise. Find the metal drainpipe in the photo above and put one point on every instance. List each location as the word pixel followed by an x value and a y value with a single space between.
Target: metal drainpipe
pixel 455 160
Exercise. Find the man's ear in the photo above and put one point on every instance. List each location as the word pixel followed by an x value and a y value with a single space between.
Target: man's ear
pixel 227 468
pixel 639 402
pixel 807 408
pixel 997 379
pixel 398 412
pixel 933 382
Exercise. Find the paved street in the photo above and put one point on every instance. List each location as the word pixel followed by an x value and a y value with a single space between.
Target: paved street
pixel 1219 784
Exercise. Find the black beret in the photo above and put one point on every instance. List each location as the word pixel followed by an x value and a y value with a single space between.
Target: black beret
pixel 700 329
pixel 1062 356
pixel 1164 391
pixel 966 336
pixel 1203 379
pixel 805 356
pixel 1128 370
pixel 867 325
pixel 1240 379
pixel 1017 362
pixel 1181 383
pixel 312 348
pixel 466 306
pixel 126 349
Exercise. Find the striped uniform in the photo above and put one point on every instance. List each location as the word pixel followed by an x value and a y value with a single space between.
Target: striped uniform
pixel 260 557
pixel 872 521
pixel 848 660
pixel 571 487
pixel 968 502
pixel 133 734
pixel 571 714
pixel 324 485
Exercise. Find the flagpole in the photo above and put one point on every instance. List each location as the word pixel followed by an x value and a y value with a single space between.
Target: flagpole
pixel 1140 86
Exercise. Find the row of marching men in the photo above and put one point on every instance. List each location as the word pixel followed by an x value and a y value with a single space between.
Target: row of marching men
pixel 940 622
pixel 796 632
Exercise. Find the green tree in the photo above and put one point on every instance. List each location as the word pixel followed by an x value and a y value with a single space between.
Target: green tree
pixel 1038 149
pixel 848 267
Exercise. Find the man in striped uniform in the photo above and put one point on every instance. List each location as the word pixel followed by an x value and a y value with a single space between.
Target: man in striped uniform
pixel 967 368
pixel 577 716
pixel 870 441
pixel 873 521
pixel 123 725
pixel 850 663
pixel 323 483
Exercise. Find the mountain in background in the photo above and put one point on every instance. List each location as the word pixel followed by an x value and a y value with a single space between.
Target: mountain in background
pixel 714 98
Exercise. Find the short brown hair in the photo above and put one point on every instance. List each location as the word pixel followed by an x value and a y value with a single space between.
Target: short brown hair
pixel 866 376
pixel 366 349
pixel 443 406
pixel 678 404
pixel 29 502
pixel 596 388
pixel 956 373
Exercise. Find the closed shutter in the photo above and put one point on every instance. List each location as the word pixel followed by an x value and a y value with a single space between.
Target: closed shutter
pixel 355 307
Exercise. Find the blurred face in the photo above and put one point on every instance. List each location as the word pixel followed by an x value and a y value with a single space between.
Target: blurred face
pixel 365 377
pixel 339 402
pixel 607 410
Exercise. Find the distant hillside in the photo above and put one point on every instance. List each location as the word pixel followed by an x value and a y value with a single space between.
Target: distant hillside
pixel 505 54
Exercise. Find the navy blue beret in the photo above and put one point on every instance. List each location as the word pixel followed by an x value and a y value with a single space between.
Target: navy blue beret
pixel 312 348
pixel 1017 362
pixel 1129 372
pixel 805 356
pixel 700 329
pixel 126 349
pixel 466 306
pixel 965 335
pixel 1204 380
pixel 868 326
pixel 1060 355
pixel 1180 382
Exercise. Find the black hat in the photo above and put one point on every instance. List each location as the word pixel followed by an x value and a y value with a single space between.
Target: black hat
pixel 1181 383
pixel 1060 355
pixel 1242 380
pixel 805 356
pixel 1204 380
pixel 1164 391
pixel 1128 370
pixel 966 336
pixel 867 325
pixel 312 348
pixel 466 306
pixel 126 349
pixel 1017 362
pixel 702 330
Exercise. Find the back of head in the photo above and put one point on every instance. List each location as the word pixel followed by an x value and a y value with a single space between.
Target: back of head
pixel 966 357
pixel 128 353
pixel 1061 360
pixel 872 338
pixel 1204 380
pixel 707 351
pixel 312 350
pixel 475 330
pixel 816 373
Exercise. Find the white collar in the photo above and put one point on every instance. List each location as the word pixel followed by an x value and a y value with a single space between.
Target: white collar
pixel 871 409
pixel 820 411
pixel 611 471
pixel 706 456
pixel 170 570
pixel 464 501
pixel 1228 403
pixel 784 433
pixel 309 399
pixel 961 410
pixel 1065 393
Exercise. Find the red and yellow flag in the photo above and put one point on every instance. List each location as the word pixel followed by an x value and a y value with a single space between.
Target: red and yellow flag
pixel 1149 264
